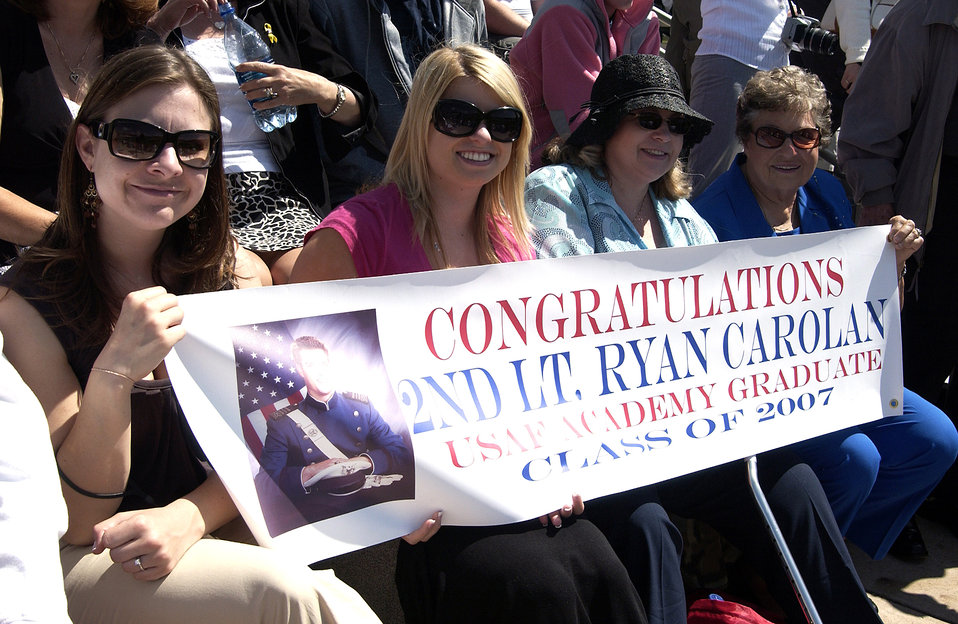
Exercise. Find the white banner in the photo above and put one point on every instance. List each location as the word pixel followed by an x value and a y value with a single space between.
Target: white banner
pixel 493 393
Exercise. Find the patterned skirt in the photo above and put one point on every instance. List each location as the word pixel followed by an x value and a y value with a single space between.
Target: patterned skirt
pixel 267 213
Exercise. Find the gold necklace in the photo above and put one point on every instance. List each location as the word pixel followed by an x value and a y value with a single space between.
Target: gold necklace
pixel 74 71
pixel 646 201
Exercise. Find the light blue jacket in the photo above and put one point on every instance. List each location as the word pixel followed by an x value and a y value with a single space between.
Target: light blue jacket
pixel 573 213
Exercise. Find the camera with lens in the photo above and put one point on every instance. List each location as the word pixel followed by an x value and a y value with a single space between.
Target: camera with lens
pixel 803 33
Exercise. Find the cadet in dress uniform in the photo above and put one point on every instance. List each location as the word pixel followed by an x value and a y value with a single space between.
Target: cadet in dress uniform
pixel 328 428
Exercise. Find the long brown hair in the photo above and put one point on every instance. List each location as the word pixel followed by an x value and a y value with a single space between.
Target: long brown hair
pixel 408 168
pixel 115 18
pixel 196 254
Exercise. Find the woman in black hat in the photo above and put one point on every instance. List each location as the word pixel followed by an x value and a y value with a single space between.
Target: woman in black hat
pixel 618 185
pixel 621 186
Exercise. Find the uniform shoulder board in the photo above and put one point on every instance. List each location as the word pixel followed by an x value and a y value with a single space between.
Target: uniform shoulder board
pixel 283 411
pixel 355 396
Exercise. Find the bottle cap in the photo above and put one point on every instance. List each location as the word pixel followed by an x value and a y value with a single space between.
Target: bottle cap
pixel 226 9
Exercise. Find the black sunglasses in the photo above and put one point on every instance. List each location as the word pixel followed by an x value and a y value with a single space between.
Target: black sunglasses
pixel 137 140
pixel 457 118
pixel 679 124
pixel 804 138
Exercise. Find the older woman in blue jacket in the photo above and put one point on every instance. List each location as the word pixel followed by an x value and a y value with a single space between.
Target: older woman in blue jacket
pixel 876 474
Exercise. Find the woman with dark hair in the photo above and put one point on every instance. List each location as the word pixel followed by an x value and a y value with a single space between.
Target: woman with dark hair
pixel 876 474
pixel 452 197
pixel 88 314
pixel 50 50
pixel 620 186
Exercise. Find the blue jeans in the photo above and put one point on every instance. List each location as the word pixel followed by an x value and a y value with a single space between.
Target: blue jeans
pixel 877 474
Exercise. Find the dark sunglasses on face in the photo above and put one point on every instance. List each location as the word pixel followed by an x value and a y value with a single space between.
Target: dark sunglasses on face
pixel 680 124
pixel 137 140
pixel 458 118
pixel 804 138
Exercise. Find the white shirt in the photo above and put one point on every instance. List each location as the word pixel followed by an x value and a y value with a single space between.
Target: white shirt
pixel 749 32
pixel 245 146
pixel 521 7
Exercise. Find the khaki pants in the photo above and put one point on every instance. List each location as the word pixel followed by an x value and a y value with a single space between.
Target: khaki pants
pixel 215 581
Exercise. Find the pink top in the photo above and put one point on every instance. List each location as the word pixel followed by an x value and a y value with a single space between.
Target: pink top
pixel 556 61
pixel 378 230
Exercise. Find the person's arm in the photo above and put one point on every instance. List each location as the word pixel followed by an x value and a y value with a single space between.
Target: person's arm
pixel 22 222
pixel 91 437
pixel 853 20
pixel 297 87
pixel 275 461
pixel 177 13
pixel 325 257
pixel 877 121
pixel 318 55
pixel 159 537
pixel 502 20
pixel 906 239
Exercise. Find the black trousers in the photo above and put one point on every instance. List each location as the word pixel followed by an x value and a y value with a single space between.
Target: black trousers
pixel 638 526
pixel 516 573
pixel 929 332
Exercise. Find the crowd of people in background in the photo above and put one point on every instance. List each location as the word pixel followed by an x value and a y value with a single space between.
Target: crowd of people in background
pixel 434 134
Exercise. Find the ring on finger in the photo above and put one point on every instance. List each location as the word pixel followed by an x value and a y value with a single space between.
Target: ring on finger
pixel 918 232
pixel 139 564
pixel 270 94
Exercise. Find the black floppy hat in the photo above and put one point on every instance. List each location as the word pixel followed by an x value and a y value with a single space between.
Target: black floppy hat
pixel 628 83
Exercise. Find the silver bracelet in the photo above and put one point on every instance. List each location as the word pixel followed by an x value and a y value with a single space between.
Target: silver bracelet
pixel 340 99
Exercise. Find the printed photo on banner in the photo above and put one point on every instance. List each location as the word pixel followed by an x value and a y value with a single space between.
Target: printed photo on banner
pixel 318 413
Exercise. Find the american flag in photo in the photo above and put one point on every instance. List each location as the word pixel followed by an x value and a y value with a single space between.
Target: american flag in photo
pixel 266 376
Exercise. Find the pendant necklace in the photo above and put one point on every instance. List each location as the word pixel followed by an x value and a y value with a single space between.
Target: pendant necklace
pixel 74 71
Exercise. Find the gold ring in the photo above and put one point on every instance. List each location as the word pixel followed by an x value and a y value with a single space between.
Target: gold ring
pixel 139 564
pixel 270 94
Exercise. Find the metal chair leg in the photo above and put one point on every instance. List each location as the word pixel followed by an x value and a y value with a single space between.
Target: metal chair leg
pixel 794 576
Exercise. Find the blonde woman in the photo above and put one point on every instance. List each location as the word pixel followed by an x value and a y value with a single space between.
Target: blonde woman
pixel 452 197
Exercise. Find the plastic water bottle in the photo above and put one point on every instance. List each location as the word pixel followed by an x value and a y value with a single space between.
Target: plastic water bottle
pixel 243 44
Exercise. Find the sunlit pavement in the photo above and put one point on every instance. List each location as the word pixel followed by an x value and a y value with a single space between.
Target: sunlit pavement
pixel 909 592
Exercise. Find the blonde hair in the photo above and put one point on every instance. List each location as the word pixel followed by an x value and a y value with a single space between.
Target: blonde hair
pixel 790 89
pixel 501 199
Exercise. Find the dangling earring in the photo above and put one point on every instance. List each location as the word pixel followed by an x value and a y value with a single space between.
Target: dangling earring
pixel 90 202
pixel 193 219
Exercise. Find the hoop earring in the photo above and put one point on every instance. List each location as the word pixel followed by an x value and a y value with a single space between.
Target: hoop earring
pixel 91 202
